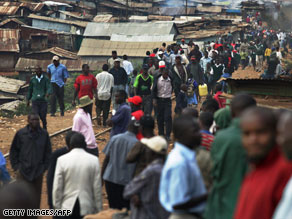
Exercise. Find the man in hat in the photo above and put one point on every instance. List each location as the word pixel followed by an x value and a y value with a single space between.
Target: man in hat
pixel 58 74
pixel 85 85
pixel 38 91
pixel 161 92
pixel 120 80
pixel 82 123
pixel 111 60
pixel 143 189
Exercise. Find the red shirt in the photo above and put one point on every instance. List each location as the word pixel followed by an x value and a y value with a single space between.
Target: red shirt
pixel 262 188
pixel 207 140
pixel 85 85
pixel 221 102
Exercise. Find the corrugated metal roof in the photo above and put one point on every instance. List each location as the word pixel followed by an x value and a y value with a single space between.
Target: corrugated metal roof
pixel 127 38
pixel 62 53
pixel 11 106
pixel 12 10
pixel 9 34
pixel 9 85
pixel 32 6
pixel 210 9
pixel 11 20
pixel 56 20
pixel 94 47
pixel 135 29
pixel 102 18
pixel 27 65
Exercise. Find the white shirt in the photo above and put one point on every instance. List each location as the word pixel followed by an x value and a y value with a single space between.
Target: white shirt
pixel 284 208
pixel 164 87
pixel 279 55
pixel 185 48
pixel 77 175
pixel 128 67
pixel 105 82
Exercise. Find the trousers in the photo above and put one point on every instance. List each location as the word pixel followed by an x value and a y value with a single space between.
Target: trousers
pixel 58 93
pixel 115 196
pixel 36 184
pixel 164 119
pixel 104 107
pixel 259 62
pixel 41 108
pixel 147 104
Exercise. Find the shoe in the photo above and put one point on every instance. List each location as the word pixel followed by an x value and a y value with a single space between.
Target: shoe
pixel 53 115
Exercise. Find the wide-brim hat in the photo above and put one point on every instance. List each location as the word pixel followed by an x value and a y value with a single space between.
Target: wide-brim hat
pixel 85 101
pixel 157 144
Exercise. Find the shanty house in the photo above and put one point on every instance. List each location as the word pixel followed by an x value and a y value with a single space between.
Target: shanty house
pixel 9 48
pixel 11 23
pixel 48 54
pixel 48 23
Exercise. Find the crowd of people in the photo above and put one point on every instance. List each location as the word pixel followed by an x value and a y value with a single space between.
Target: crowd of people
pixel 228 160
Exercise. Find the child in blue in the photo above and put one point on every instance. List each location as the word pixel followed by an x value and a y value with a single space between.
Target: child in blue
pixel 4 175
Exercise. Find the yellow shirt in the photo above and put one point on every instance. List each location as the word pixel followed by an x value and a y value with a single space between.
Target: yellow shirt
pixel 268 52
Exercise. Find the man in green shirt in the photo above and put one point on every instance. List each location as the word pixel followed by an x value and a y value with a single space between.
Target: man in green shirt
pixel 38 91
pixel 142 88
pixel 229 163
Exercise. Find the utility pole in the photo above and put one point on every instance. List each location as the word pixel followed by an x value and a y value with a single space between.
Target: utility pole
pixel 186 7
pixel 127 13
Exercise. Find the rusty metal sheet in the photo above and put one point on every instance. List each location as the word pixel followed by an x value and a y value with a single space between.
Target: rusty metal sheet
pixel 6 10
pixel 9 34
pixel 62 53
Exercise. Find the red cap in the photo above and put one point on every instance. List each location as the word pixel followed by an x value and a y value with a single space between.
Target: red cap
pixel 136 100
pixel 193 58
pixel 152 55
pixel 183 40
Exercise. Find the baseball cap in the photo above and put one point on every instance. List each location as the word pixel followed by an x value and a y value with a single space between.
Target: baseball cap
pixel 152 55
pixel 57 58
pixel 156 143
pixel 183 40
pixel 117 60
pixel 160 52
pixel 162 64
pixel 136 100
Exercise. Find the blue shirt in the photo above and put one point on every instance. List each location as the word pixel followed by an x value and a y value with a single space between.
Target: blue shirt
pixel 181 180
pixel 117 170
pixel 58 74
pixel 121 119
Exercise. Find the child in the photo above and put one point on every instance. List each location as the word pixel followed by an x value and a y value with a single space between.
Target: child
pixel 4 175
pixel 181 99
pixel 206 121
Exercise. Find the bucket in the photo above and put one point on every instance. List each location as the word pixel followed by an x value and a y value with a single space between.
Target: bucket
pixel 203 90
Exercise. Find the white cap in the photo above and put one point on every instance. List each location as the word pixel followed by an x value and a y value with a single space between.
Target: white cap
pixel 56 58
pixel 160 52
pixel 156 143
pixel 117 60
pixel 162 64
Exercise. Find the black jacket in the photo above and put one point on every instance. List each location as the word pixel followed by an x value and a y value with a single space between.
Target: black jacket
pixel 154 86
pixel 51 172
pixel 177 80
pixel 30 152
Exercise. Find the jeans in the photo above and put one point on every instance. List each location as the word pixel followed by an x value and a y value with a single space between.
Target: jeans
pixel 147 104
pixel 41 108
pixel 104 107
pixel 164 119
pixel 58 93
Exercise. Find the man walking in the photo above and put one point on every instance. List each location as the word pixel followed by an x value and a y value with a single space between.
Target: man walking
pixel 179 75
pixel 121 119
pixel 30 153
pixel 177 188
pixel 120 80
pixel 77 182
pixel 127 65
pixel 82 123
pixel 161 92
pixel 142 88
pixel 85 85
pixel 115 171
pixel 104 91
pixel 38 91
pixel 58 74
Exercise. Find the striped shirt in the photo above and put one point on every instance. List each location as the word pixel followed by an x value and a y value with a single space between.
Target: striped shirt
pixel 207 139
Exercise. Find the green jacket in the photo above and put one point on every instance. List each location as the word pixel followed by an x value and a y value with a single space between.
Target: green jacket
pixel 229 168
pixel 37 91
